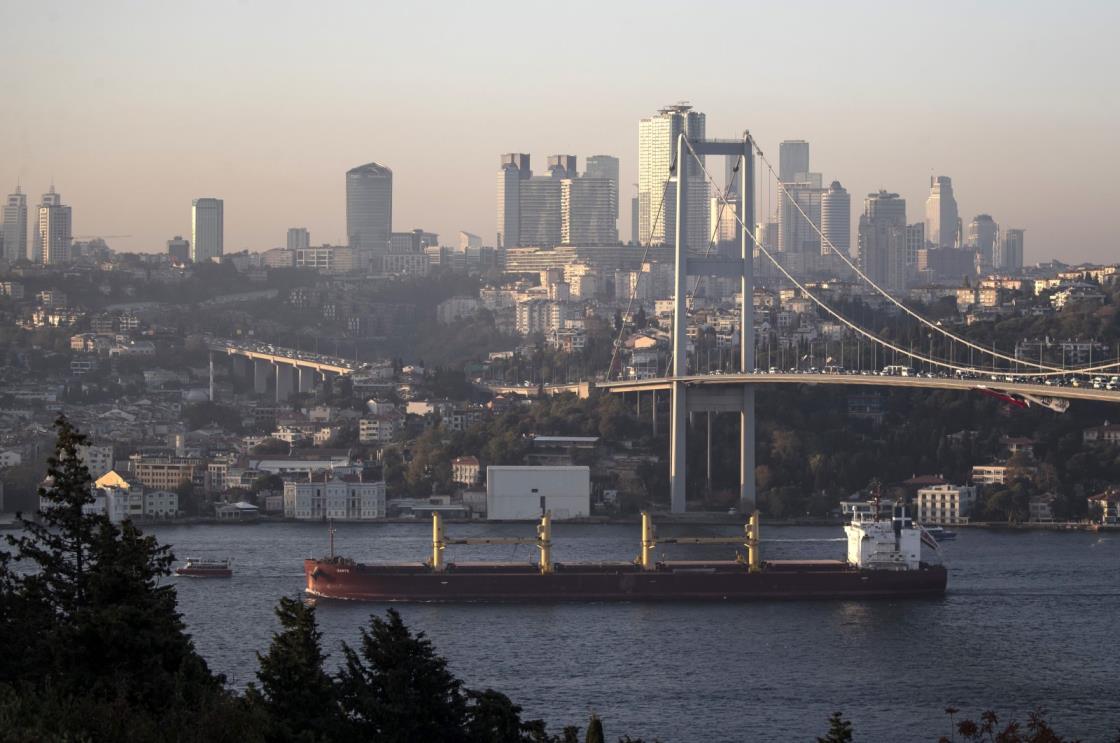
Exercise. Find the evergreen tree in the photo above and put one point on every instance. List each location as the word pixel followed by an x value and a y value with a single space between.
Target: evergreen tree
pixel 397 690
pixel 839 730
pixel 594 730
pixel 296 693
pixel 104 654
pixel 493 718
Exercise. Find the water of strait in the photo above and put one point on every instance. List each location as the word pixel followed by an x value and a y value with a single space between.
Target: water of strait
pixel 1030 619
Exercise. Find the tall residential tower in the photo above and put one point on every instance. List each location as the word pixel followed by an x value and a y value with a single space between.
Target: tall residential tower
pixel 55 229
pixel 657 196
pixel 15 227
pixel 943 223
pixel 836 219
pixel 369 211
pixel 207 229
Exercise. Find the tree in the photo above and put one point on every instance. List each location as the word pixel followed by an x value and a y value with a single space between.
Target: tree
pixel 493 718
pixel 839 730
pixel 397 690
pixel 595 730
pixel 60 543
pixel 104 654
pixel 296 693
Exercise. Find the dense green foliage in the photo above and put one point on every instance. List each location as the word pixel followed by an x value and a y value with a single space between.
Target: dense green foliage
pixel 93 644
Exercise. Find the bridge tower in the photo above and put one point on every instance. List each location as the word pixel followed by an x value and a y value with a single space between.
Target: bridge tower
pixel 736 398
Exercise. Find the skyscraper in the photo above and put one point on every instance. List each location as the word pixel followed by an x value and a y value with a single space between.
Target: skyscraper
pixel 915 241
pixel 1010 251
pixel 178 249
pixel 836 219
pixel 369 211
pixel 796 233
pixel 207 229
pixel 513 171
pixel 983 234
pixel 15 227
pixel 793 160
pixel 589 209
pixel 635 226
pixel 657 146
pixel 563 166
pixel 722 220
pixel 942 219
pixel 605 166
pixel 882 240
pixel 55 229
pixel 540 208
pixel 298 238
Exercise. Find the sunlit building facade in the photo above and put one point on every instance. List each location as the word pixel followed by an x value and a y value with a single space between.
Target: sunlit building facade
pixel 657 197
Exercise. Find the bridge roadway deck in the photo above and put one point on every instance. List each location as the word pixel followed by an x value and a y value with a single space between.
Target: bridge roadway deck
pixel 287 356
pixel 867 380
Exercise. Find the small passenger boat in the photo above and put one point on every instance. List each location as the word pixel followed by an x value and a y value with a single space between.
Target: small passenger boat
pixel 196 568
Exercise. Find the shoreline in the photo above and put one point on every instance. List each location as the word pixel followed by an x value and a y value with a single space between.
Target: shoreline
pixel 662 519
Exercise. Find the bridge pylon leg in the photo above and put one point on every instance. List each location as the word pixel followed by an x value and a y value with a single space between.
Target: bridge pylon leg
pixel 678 428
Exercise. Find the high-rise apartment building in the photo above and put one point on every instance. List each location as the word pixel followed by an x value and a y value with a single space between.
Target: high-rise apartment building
pixel 943 222
pixel 588 211
pixel 882 240
pixel 635 225
pixel 1009 251
pixel 721 218
pixel 799 215
pixel 836 219
pixel 369 211
pixel 563 166
pixel 513 172
pixel 541 212
pixel 793 160
pixel 15 227
pixel 657 196
pixel 983 234
pixel 299 238
pixel 178 249
pixel 915 241
pixel 207 229
pixel 560 207
pixel 604 166
pixel 55 229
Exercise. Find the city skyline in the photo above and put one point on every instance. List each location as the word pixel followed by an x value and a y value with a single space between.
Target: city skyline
pixel 1009 128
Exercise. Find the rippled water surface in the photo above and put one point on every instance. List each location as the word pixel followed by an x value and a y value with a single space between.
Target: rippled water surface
pixel 1030 619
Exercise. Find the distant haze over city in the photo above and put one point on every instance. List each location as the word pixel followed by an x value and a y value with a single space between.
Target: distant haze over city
pixel 134 110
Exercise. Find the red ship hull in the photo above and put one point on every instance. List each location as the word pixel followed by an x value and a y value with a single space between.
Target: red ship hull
pixel 707 581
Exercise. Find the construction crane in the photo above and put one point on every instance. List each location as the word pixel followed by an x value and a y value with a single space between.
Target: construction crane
pixel 99 237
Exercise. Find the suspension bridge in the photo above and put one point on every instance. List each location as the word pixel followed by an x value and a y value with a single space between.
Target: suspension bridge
pixel 1023 382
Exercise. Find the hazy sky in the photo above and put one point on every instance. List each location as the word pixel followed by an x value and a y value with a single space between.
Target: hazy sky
pixel 135 108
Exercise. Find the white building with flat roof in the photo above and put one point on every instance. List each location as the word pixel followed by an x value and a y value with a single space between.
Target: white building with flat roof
pixel 527 493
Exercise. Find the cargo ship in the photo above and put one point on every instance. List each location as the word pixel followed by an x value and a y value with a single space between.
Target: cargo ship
pixel 883 561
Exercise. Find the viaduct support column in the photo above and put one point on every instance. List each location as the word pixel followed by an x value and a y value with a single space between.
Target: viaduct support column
pixel 285 381
pixel 261 369
pixel 306 379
